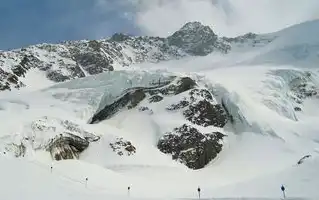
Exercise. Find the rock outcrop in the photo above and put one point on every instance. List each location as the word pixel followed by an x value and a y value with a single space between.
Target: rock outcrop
pixel 123 147
pixel 201 109
pixel 197 39
pixel 64 139
pixel 190 147
pixel 133 96
pixel 67 146
pixel 301 88
pixel 76 59
pixel 302 160
pixel 18 150
pixel 193 147
pixel 204 113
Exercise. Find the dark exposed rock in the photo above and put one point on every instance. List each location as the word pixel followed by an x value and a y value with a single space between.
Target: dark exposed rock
pixel 205 114
pixel 18 150
pixel 182 104
pixel 74 59
pixel 133 96
pixel 136 97
pixel 190 147
pixel 95 45
pixel 63 139
pixel 24 65
pixel 302 87
pixel 122 147
pixel 155 99
pixel 67 147
pixel 303 159
pixel 200 93
pixel 242 38
pixel 13 79
pixel 250 39
pixel 198 108
pixel 183 84
pixel 145 109
pixel 94 63
pixel 119 37
pixel 7 80
pixel 194 95
pixel 130 100
pixel 197 39
pixel 56 76
pixel 229 116
pixel 19 70
pixel 4 86
pixel 68 138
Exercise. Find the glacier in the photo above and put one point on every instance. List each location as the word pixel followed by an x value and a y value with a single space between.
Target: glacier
pixel 269 90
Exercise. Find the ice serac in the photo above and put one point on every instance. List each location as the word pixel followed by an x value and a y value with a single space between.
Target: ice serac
pixel 133 96
pixel 187 143
pixel 286 90
pixel 63 139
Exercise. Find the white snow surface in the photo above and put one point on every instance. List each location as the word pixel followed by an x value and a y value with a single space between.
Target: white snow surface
pixel 259 154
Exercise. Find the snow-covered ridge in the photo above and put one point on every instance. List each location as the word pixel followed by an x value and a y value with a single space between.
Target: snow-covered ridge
pixel 246 129
pixel 75 59
pixel 128 140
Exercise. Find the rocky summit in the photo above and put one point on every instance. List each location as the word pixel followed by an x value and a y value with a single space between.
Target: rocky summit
pixel 75 59
pixel 194 141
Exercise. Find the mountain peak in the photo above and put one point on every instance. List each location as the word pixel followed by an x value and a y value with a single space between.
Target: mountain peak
pixel 196 39
pixel 196 27
pixel 192 25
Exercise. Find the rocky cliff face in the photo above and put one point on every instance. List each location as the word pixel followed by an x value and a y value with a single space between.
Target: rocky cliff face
pixel 192 142
pixel 299 86
pixel 302 88
pixel 133 96
pixel 195 147
pixel 67 147
pixel 198 40
pixel 123 147
pixel 75 59
pixel 63 139
pixel 191 147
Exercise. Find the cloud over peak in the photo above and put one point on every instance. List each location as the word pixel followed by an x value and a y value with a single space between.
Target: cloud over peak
pixel 226 17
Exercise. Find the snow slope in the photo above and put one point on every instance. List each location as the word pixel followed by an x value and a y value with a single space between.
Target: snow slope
pixel 267 138
pixel 249 159
pixel 33 180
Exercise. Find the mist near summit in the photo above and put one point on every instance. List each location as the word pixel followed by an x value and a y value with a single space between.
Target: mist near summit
pixel 226 17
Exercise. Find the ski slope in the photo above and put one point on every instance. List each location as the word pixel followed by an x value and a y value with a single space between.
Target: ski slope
pixel 260 152
pixel 254 162
pixel 34 180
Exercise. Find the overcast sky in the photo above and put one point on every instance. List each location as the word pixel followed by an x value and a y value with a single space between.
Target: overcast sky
pixel 25 22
